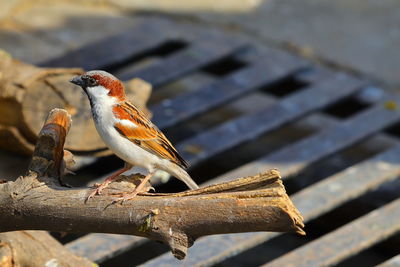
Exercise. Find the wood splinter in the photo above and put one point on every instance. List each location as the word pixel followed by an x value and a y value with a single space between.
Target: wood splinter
pixel 36 202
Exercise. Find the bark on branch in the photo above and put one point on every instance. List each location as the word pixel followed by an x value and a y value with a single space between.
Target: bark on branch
pixel 36 202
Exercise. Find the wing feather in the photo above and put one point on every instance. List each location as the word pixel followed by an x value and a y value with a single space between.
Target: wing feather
pixel 140 130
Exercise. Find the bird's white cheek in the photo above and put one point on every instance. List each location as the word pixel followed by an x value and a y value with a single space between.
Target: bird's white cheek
pixel 97 92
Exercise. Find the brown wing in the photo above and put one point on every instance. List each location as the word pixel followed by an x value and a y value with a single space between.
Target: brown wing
pixel 140 130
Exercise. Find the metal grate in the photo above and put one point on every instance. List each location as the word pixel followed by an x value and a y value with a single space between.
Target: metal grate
pixel 316 118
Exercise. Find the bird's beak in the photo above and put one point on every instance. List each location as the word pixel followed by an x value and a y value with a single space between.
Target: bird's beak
pixel 78 81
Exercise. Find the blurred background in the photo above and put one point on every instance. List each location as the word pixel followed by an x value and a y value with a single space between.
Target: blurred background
pixel 259 57
pixel 362 35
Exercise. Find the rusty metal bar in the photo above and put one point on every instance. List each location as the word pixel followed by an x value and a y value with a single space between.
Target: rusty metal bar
pixel 311 202
pixel 347 240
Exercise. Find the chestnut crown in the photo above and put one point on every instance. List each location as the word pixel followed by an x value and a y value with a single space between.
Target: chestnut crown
pixel 101 79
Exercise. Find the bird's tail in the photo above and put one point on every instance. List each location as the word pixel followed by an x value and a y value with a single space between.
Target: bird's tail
pixel 182 175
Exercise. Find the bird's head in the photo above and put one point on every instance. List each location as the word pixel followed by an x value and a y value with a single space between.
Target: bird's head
pixel 98 83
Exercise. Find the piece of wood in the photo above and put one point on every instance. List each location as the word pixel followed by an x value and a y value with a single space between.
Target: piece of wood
pixel 36 249
pixel 36 202
pixel 11 138
pixel 49 153
pixel 176 219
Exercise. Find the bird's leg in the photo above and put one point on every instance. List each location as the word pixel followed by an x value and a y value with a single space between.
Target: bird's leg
pixel 107 181
pixel 137 189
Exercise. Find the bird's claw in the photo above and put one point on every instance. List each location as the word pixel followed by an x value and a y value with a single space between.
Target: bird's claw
pixel 126 197
pixel 97 191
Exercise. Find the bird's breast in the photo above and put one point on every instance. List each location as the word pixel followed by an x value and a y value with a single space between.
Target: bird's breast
pixel 128 151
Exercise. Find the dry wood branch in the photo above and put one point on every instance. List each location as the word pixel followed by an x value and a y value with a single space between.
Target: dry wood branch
pixel 257 203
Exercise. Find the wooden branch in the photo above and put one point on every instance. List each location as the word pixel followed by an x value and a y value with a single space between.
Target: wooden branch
pixel 257 203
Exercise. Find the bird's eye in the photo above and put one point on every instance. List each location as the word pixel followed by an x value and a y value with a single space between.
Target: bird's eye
pixel 91 81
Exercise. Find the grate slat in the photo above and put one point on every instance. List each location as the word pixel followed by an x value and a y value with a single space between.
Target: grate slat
pixel 111 50
pixel 312 202
pixel 194 57
pixel 261 72
pixel 100 247
pixel 250 126
pixel 143 38
pixel 347 240
pixel 294 158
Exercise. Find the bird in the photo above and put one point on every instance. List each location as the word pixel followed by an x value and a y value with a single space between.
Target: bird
pixel 128 133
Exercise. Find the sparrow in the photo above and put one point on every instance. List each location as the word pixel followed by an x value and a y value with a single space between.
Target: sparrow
pixel 128 133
